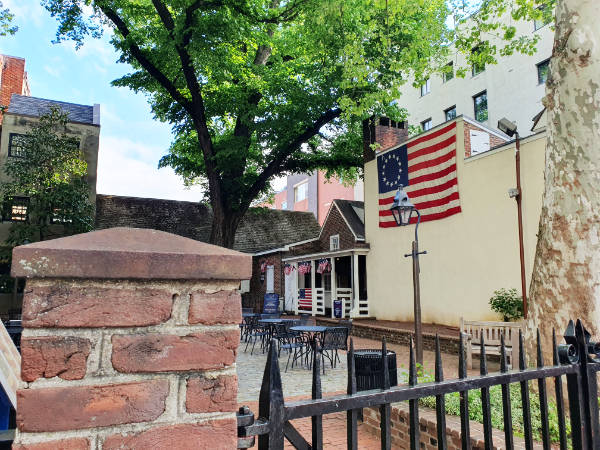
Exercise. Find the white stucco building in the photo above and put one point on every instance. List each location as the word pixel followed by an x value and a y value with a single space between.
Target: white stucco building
pixel 512 88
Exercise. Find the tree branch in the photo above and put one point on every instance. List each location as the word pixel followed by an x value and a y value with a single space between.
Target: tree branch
pixel 280 157
pixel 137 53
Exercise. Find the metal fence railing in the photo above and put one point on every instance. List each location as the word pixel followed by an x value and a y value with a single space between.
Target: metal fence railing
pixel 575 361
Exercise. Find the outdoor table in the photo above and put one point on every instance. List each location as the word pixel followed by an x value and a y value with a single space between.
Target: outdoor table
pixel 312 331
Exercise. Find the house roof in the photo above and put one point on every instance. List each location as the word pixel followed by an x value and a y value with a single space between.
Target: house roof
pixel 34 106
pixel 354 213
pixel 261 229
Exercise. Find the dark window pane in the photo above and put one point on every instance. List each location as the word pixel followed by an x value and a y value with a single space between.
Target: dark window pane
pixel 426 125
pixel 15 210
pixel 478 66
pixel 543 20
pixel 542 69
pixel 448 72
pixel 17 145
pixel 481 107
pixel 450 113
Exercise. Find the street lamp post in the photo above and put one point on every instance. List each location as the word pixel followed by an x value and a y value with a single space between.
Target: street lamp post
pixel 402 210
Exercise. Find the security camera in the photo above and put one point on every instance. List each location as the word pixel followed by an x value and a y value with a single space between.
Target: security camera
pixel 507 127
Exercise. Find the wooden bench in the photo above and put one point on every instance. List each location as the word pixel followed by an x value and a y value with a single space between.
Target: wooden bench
pixel 491 331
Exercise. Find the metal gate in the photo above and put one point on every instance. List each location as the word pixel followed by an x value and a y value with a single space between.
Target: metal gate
pixel 576 360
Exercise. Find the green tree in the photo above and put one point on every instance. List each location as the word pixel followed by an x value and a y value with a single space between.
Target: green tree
pixel 49 172
pixel 6 18
pixel 260 88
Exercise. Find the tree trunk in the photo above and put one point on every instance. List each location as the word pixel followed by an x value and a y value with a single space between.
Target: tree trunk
pixel 224 227
pixel 566 274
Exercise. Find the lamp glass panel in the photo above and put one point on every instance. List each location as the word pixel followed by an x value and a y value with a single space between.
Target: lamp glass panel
pixel 406 213
pixel 396 215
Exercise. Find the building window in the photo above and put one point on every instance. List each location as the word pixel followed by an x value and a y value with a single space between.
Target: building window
pixel 15 209
pixel 450 113
pixel 17 145
pixel 334 242
pixel 543 20
pixel 543 70
pixel 426 125
pixel 481 106
pixel 448 72
pixel 478 66
pixel 283 205
pixel 300 192
pixel 426 87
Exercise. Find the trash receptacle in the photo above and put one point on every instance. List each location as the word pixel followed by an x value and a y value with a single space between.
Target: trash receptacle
pixel 337 309
pixel 369 369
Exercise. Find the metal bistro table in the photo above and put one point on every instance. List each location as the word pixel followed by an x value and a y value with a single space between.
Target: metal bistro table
pixel 312 331
pixel 272 322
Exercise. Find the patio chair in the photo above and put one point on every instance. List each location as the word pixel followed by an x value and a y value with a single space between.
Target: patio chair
pixel 294 344
pixel 245 327
pixel 304 319
pixel 334 339
pixel 255 332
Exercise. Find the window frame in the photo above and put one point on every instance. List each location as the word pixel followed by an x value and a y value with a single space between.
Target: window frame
pixel 474 73
pixel 334 242
pixel 545 62
pixel 426 121
pixel 446 113
pixel 304 186
pixel 445 78
pixel 20 154
pixel 427 86
pixel 475 97
pixel 9 210
pixel 536 21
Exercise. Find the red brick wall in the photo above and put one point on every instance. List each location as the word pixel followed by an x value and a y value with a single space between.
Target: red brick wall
pixel 383 131
pixel 11 82
pixel 494 140
pixel 258 289
pixel 139 362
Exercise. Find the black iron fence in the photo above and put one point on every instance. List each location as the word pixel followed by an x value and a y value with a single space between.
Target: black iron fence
pixel 576 360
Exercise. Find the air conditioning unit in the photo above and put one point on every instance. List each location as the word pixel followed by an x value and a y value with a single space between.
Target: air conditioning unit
pixel 334 242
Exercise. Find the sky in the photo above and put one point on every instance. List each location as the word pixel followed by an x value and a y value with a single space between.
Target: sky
pixel 131 141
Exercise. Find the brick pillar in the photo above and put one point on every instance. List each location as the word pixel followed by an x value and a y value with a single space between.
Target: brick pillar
pixel 12 80
pixel 383 131
pixel 130 339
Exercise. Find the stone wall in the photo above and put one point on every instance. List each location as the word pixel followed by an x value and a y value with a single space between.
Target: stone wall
pixel 142 361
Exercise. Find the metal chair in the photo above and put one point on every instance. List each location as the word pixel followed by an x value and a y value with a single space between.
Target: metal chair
pixel 346 323
pixel 255 332
pixel 334 339
pixel 293 343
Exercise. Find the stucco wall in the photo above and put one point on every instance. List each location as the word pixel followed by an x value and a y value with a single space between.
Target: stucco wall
pixel 470 254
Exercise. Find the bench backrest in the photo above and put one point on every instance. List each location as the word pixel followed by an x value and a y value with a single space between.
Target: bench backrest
pixel 492 331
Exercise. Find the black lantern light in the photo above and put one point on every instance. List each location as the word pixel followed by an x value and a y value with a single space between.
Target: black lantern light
pixel 402 208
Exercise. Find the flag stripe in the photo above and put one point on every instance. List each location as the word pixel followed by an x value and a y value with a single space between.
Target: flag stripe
pixel 428 166
pixel 435 216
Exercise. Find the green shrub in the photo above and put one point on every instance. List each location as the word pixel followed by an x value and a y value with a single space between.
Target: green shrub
pixel 508 304
pixel 476 409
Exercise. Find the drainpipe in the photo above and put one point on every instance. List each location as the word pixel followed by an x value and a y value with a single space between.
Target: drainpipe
pixel 518 197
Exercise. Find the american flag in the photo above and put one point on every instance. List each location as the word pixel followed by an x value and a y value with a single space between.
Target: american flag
pixel 426 167
pixel 305 299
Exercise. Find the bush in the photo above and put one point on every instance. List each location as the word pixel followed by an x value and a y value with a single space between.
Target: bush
pixel 508 304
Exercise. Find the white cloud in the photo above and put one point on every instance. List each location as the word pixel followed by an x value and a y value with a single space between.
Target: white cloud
pixel 53 71
pixel 31 11
pixel 121 172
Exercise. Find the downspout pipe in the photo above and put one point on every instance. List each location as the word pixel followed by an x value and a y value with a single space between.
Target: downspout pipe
pixel 520 223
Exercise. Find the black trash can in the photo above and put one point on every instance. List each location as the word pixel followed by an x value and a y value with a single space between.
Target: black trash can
pixel 369 369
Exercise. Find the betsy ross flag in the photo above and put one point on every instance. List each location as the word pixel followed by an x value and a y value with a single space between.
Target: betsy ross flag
pixel 426 167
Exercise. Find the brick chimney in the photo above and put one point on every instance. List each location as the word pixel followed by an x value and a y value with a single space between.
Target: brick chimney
pixel 13 79
pixel 383 131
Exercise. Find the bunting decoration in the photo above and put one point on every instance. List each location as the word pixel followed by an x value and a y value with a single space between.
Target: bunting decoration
pixel 324 266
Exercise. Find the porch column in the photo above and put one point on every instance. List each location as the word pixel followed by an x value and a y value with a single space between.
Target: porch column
pixel 295 287
pixel 334 286
pixel 312 286
pixel 355 286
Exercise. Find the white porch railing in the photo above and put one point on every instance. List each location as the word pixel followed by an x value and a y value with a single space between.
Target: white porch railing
pixel 313 301
pixel 345 295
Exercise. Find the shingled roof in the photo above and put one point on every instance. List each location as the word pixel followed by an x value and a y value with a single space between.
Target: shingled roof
pixel 261 229
pixel 354 213
pixel 34 106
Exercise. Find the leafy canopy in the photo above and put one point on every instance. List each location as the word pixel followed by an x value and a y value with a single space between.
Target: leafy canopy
pixel 260 88
pixel 50 173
